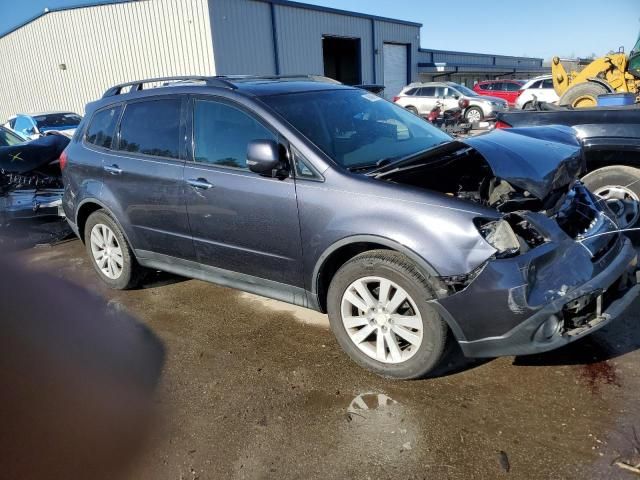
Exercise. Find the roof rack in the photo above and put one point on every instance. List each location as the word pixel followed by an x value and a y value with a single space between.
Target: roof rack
pixel 313 78
pixel 139 84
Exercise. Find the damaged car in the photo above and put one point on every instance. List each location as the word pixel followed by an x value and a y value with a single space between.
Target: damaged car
pixel 334 199
pixel 31 186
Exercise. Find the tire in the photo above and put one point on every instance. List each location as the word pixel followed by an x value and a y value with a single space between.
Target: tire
pixel 129 274
pixel 473 112
pixel 413 110
pixel 583 95
pixel 620 186
pixel 401 358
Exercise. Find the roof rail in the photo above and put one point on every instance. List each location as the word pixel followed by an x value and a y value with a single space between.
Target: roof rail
pixel 313 78
pixel 139 84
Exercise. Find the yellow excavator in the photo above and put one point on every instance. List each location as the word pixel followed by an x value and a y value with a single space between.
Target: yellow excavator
pixel 613 73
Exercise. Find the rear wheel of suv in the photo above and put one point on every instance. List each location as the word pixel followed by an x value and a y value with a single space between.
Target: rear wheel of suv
pixel 110 253
pixel 473 115
pixel 379 313
pixel 413 110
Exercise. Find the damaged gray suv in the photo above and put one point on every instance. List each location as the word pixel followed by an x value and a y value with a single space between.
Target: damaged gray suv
pixel 331 198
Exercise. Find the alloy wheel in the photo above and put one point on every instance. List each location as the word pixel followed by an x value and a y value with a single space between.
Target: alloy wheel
pixel 106 251
pixel 623 202
pixel 473 116
pixel 382 319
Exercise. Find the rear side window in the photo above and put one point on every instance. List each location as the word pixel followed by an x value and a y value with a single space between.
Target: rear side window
pixel 536 84
pixel 411 91
pixel 103 127
pixel 152 127
pixel 222 133
pixel 428 92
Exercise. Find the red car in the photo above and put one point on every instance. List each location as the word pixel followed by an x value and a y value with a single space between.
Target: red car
pixel 505 89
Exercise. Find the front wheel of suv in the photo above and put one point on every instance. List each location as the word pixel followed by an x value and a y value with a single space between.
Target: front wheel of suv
pixel 379 312
pixel 110 253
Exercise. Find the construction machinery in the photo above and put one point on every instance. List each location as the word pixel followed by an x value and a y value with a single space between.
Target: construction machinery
pixel 612 73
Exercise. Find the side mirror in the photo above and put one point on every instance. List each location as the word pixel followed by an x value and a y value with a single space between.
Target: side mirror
pixel 456 96
pixel 263 157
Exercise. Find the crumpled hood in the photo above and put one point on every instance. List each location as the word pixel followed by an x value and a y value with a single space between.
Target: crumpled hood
pixel 537 159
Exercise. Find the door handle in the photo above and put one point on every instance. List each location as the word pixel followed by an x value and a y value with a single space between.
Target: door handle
pixel 113 169
pixel 200 183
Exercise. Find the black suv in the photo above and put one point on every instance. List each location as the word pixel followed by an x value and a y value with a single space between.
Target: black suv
pixel 332 198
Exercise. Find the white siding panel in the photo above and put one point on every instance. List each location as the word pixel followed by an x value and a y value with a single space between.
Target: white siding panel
pixel 101 46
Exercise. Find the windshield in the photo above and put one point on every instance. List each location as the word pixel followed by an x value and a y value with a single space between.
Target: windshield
pixel 56 120
pixel 465 91
pixel 356 128
pixel 8 138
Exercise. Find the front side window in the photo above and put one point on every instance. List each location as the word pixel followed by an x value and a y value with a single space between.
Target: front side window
pixel 356 130
pixel 221 134
pixel 151 127
pixel 536 84
pixel 547 83
pixel 103 127
pixel 512 87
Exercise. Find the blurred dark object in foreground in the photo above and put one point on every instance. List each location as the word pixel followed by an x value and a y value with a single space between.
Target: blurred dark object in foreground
pixel 78 380
pixel 31 191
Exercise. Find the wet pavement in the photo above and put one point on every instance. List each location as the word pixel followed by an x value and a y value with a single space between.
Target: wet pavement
pixel 255 389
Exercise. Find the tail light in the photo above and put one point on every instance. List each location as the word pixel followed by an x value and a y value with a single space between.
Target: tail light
pixel 501 124
pixel 395 99
pixel 63 160
pixel 520 92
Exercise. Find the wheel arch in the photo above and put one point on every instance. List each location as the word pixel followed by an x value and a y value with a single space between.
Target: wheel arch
pixel 343 250
pixel 86 208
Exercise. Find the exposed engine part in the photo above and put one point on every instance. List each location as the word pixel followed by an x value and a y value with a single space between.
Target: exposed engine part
pixel 457 283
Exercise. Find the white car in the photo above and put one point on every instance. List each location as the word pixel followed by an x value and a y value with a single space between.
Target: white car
pixel 541 88
pixel 420 98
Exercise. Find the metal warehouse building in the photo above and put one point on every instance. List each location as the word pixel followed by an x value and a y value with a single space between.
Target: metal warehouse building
pixel 84 50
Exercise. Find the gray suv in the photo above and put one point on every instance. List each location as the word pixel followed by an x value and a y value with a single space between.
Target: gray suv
pixel 332 198
pixel 420 98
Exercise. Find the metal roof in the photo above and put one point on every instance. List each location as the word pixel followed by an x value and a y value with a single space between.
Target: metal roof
pixel 286 3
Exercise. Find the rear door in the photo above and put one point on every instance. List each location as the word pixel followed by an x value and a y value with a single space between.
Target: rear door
pixel 547 92
pixel 241 222
pixel 426 100
pixel 143 177
pixel 511 92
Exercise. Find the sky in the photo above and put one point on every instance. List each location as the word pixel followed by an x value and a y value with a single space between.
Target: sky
pixel 540 28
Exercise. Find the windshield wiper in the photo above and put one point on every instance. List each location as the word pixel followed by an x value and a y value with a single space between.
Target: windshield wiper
pixel 368 166
pixel 400 160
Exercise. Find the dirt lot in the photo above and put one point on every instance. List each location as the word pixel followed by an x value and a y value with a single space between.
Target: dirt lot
pixel 253 388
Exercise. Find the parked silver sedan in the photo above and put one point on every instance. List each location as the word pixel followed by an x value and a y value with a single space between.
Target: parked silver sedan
pixel 420 98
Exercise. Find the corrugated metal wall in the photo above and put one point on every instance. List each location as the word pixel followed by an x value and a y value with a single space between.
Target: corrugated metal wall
pixel 244 43
pixel 300 34
pixel 242 37
pixel 101 46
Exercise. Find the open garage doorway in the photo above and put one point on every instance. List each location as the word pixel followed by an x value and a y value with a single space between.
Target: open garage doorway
pixel 342 59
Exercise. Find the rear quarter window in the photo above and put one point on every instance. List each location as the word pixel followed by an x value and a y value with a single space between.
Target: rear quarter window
pixel 102 128
pixel 151 127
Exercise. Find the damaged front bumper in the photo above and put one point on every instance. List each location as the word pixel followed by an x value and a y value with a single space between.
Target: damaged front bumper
pixel 543 299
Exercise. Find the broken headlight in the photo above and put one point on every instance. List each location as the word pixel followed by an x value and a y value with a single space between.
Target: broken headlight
pixel 500 235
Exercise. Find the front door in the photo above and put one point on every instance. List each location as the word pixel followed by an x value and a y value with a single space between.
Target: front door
pixel 241 222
